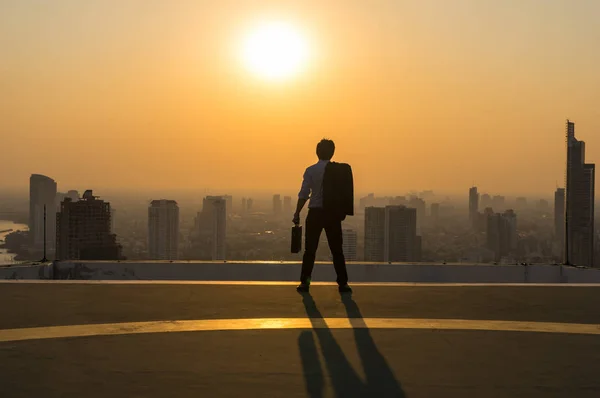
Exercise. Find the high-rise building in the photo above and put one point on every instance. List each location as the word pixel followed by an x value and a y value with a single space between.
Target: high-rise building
pixel 83 230
pixel 228 203
pixel 42 192
pixel 287 205
pixel 501 233
pixel 521 202
pixel 488 211
pixel 486 201
pixel 579 205
pixel 398 200
pixel 511 223
pixel 498 202
pixel 277 205
pixel 419 205
pixel 163 230
pixel 249 203
pixel 391 234
pixel 60 196
pixel 473 205
pixel 113 218
pixel 597 253
pixel 244 206
pixel 374 233
pixel 213 225
pixel 400 234
pixel 366 201
pixel 349 237
pixel 435 213
pixel 542 205
pixel 73 194
pixel 559 216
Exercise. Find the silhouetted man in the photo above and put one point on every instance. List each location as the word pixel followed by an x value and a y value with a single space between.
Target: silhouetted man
pixel 324 214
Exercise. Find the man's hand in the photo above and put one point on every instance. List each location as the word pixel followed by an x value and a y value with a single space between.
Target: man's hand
pixel 296 219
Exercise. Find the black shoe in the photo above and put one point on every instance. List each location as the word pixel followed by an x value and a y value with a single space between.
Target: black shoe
pixel 303 288
pixel 345 289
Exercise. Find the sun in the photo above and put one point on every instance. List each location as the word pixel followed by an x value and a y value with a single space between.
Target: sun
pixel 275 51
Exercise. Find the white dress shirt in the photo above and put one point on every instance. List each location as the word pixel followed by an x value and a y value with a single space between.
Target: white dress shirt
pixel 312 184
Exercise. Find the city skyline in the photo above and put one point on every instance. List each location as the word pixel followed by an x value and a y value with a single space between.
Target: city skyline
pixel 209 240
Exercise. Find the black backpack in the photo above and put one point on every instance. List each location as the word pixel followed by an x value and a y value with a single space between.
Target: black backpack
pixel 338 190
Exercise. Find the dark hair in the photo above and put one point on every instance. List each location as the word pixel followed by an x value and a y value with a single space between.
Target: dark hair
pixel 325 149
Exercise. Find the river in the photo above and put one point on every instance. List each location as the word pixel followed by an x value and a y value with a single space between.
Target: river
pixel 5 257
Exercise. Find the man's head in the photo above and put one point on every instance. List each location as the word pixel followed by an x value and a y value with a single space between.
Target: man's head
pixel 325 149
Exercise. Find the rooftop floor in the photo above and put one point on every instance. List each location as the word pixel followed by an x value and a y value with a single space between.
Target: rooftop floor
pixel 157 339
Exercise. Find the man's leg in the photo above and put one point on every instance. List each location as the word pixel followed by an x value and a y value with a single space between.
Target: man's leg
pixel 333 229
pixel 314 226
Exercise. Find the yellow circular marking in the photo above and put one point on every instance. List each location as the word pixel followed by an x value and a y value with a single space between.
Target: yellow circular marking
pixel 111 329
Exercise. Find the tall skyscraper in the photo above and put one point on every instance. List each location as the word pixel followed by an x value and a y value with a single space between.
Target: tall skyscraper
pixel 42 192
pixel 473 205
pixel 579 206
pixel 249 203
pixel 163 230
pixel 559 216
pixel 501 233
pixel 349 237
pixel 400 234
pixel 374 233
pixel 244 206
pixel 84 232
pixel 277 205
pixel 287 205
pixel 213 225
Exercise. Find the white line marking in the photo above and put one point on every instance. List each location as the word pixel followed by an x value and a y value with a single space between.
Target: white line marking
pixel 110 329
pixel 283 283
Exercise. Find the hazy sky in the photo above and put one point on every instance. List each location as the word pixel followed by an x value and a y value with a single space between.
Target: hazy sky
pixel 416 94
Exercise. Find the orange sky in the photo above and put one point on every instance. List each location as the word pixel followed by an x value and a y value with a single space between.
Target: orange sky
pixel 416 94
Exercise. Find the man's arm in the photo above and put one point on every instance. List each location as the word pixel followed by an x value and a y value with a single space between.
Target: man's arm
pixel 303 196
pixel 299 206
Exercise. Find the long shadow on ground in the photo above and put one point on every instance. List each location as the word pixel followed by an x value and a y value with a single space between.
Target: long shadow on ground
pixel 380 379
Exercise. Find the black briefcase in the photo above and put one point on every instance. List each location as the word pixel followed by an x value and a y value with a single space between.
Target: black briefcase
pixel 296 239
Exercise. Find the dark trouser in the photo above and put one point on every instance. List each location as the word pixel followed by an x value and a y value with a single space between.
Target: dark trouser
pixel 316 221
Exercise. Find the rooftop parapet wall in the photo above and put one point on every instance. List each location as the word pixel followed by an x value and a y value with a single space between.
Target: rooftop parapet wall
pixel 274 271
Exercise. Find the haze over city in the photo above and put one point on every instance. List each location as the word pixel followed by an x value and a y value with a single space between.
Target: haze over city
pixel 150 95
pixel 299 198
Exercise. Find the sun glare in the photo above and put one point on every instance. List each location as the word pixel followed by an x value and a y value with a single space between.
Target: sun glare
pixel 275 51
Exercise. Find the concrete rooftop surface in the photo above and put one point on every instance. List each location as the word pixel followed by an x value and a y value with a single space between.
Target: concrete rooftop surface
pixel 233 339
